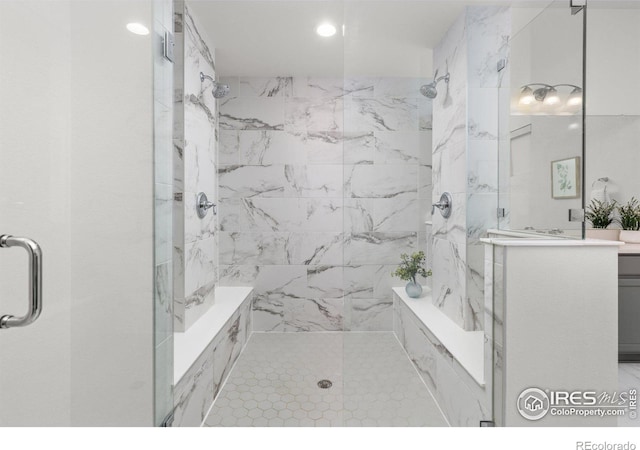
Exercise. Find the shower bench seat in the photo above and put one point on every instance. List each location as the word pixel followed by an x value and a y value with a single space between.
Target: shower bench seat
pixel 467 347
pixel 205 353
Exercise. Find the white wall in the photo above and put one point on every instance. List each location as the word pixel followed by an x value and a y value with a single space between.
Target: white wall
pixel 613 101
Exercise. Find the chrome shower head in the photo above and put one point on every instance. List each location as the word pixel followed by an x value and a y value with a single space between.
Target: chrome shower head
pixel 429 90
pixel 219 90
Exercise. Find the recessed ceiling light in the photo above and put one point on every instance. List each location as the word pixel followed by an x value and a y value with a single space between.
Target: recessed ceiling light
pixel 326 30
pixel 137 28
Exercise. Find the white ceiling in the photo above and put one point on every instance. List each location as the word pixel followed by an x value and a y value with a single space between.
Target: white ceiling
pixel 277 38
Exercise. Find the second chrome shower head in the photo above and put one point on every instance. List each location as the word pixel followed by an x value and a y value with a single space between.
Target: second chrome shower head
pixel 429 90
pixel 219 90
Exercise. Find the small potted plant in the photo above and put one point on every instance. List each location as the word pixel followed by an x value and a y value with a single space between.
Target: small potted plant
pixel 408 269
pixel 600 214
pixel 630 221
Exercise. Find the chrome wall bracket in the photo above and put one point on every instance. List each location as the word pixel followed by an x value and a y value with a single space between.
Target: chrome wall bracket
pixel 203 205
pixel 35 281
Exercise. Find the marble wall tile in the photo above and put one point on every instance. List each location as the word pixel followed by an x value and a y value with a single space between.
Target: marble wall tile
pixel 358 281
pixel 359 147
pixel 163 213
pixel 325 281
pixel 287 199
pixel 482 215
pixel 163 302
pixel 314 87
pixel 227 347
pixel 396 214
pixel 269 147
pixel 483 113
pixel 315 248
pixel 421 349
pixel 314 181
pixel 242 113
pixel 163 143
pixel 449 278
pixel 396 147
pixel 163 385
pixel 313 314
pixel 280 181
pixel 251 181
pixel 281 214
pixel 194 164
pixel 482 166
pixel 199 302
pixel 490 28
pixel 252 248
pixel 268 313
pixel 397 86
pixel 264 87
pixel 380 181
pixel 470 402
pixel 358 215
pixel 425 184
pixel 377 247
pixel 194 392
pixel 425 114
pixel 196 228
pixel 384 114
pixel 368 314
pixel 200 264
pixel 314 114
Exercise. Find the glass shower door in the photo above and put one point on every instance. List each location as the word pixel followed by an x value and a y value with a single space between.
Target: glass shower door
pixel 35 65
pixel 541 123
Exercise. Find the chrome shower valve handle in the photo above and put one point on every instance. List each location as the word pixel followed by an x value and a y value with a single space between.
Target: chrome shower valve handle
pixel 203 205
pixel 444 205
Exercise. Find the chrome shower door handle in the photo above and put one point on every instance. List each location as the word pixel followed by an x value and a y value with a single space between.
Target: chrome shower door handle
pixel 35 281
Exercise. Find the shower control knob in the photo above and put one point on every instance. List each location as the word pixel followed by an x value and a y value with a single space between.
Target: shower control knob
pixel 444 205
pixel 203 205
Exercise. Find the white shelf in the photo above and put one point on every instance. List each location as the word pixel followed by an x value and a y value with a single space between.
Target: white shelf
pixel 467 347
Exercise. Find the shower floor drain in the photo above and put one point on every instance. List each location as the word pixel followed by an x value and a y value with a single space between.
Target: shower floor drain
pixel 324 384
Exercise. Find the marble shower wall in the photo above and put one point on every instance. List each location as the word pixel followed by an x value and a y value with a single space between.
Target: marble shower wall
pixel 195 142
pixel 465 155
pixel 322 184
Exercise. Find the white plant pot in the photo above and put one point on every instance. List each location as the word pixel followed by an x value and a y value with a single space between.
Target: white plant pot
pixel 603 234
pixel 630 236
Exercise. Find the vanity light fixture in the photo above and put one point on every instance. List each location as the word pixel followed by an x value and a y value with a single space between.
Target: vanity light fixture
pixel 326 29
pixel 575 98
pixel 548 94
pixel 137 28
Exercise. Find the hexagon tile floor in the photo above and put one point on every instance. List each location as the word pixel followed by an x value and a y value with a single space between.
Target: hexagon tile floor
pixel 275 383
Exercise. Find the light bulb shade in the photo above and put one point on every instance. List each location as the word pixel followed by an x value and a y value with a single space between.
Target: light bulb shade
pixel 326 30
pixel 575 98
pixel 526 96
pixel 551 97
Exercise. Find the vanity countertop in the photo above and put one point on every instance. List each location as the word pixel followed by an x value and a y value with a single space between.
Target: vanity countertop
pixel 629 249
